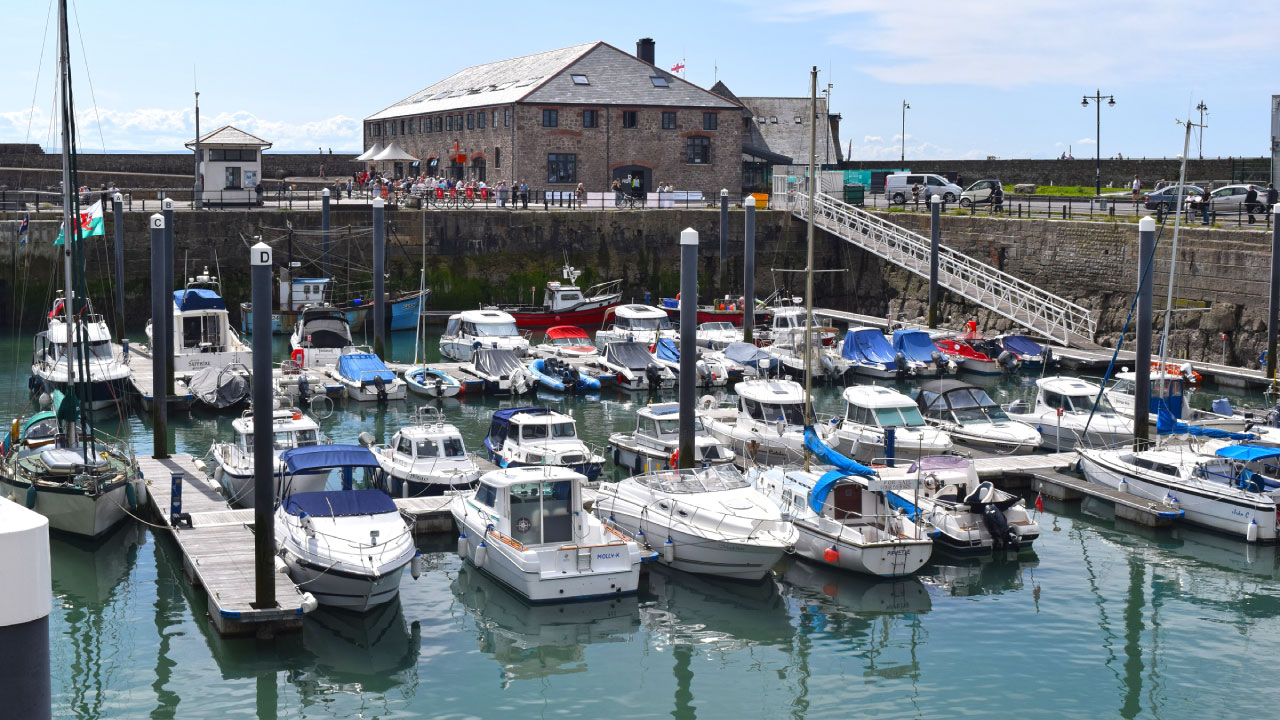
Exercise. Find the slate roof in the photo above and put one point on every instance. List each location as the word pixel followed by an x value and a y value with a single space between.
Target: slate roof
pixel 614 78
pixel 228 135
pixel 786 136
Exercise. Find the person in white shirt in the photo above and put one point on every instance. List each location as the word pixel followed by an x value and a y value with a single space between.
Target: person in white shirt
pixel 1137 187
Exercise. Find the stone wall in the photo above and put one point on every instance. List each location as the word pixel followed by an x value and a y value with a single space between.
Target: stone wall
pixel 1080 171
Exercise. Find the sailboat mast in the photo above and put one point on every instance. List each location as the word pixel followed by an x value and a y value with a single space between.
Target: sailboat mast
pixel 70 223
pixel 808 286
pixel 1173 261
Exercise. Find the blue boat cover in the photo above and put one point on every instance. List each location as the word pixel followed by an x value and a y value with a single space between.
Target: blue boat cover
pixel 1167 425
pixel 1022 345
pixel 867 346
pixel 745 353
pixel 844 468
pixel 667 350
pixel 198 299
pixel 914 344
pixel 340 503
pixel 321 457
pixel 506 414
pixel 897 502
pixel 666 410
pixel 364 367
pixel 1248 453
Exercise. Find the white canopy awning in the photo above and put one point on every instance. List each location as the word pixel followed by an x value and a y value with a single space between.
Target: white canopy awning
pixel 393 152
pixel 367 155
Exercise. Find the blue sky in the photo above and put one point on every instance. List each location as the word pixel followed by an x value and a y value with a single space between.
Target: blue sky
pixel 985 78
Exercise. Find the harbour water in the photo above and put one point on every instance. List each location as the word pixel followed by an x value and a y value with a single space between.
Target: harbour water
pixel 1103 619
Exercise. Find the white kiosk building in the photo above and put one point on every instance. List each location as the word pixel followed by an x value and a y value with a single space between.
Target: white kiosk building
pixel 230 162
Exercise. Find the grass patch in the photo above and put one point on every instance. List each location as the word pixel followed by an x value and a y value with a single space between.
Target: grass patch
pixel 1064 190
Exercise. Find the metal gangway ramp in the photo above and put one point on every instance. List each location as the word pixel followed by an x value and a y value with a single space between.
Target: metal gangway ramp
pixel 1025 304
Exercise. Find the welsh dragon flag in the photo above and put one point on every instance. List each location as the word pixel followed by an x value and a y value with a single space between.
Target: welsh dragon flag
pixel 90 223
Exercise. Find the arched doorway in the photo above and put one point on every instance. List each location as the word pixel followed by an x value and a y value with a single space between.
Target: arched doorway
pixel 636 180
pixel 478 169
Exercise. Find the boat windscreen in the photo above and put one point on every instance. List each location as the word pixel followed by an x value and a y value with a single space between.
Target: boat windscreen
pixel 630 355
pixel 715 478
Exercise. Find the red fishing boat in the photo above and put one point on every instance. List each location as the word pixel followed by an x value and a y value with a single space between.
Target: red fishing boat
pixel 567 304
pixel 968 359
pixel 727 309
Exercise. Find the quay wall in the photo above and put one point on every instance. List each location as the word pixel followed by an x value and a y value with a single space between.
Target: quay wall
pixel 1081 171
pixel 483 256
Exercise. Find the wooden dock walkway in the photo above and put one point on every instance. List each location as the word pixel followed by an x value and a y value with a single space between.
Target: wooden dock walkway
pixel 142 384
pixel 1065 486
pixel 1006 465
pixel 217 551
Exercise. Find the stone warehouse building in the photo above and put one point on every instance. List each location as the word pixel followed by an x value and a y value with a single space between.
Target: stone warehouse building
pixel 583 114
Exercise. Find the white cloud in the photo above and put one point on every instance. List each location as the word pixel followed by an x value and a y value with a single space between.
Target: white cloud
pixel 872 138
pixel 166 130
pixel 1008 43
pixel 1086 141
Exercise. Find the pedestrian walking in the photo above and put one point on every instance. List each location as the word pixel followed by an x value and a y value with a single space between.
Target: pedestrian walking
pixel 997 199
pixel 915 194
pixel 616 187
pixel 257 190
pixel 524 195
pixel 1251 203
pixel 1271 197
pixel 1137 189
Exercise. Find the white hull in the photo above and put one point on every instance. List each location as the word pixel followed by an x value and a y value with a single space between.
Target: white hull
pixel 72 511
pixel 882 559
pixel 771 449
pixel 239 488
pixel 369 393
pixel 332 588
pixel 500 563
pixel 1228 514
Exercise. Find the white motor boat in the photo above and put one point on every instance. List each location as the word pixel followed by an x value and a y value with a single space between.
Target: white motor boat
pixel 767 425
pixel 1206 490
pixel 525 528
pixel 108 373
pixel 1071 412
pixel 320 336
pixel 233 461
pixel 565 341
pixel 348 548
pixel 789 320
pixel 870 411
pixel 644 324
pixel 711 371
pixel 633 366
pixel 846 520
pixel 1169 393
pixel 707 520
pixel 655 444
pixel 966 516
pixel 717 335
pixel 538 436
pixel 427 458
pixel 472 329
pixel 970 416
pixel 499 369
pixel 365 378
pixel 208 354
pixel 787 352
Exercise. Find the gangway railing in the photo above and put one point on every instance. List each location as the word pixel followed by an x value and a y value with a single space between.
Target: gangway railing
pixel 1025 304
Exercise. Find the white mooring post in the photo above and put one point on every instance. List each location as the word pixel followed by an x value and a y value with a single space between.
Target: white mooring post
pixel 26 599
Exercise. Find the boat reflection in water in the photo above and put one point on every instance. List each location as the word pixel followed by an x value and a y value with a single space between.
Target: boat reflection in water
pixel 537 640
pixel 89 593
pixel 708 611
pixel 853 592
pixel 966 577
pixel 372 651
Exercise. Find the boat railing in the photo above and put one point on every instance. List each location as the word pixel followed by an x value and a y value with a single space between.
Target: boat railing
pixel 602 290
pixel 714 520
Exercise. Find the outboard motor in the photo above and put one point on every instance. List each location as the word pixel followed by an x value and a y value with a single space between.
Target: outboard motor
pixel 1008 361
pixel 1048 356
pixel 938 362
pixel 900 363
pixel 439 387
pixel 1002 536
pixel 654 375
pixel 304 388
pixel 381 386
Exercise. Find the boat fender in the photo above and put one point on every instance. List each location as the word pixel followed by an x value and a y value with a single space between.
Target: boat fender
pixel 1124 486
pixel 831 555
pixel 668 551
pixel 482 551
pixel 706 402
pixel 404 489
pixel 1251 532
pixel 281 566
pixel 617 457
pixel 31 497
pixel 131 496
pixel 15 428
pixel 299 356
pixel 309 603
pixel 462 545
pixel 365 439
pixel 415 566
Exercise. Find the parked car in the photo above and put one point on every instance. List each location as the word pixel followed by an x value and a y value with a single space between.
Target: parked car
pixel 979 193
pixel 897 187
pixel 1167 196
pixel 1230 198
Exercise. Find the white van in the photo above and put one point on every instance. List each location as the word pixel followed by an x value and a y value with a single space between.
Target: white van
pixel 897 187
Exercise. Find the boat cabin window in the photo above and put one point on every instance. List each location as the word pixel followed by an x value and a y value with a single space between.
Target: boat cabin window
pixel 858 415
pixel 654 323
pixel 1124 387
pixel 1078 404
pixel 453 447
pixel 672 426
pixel 570 341
pixel 1152 465
pixel 451 328
pixel 563 430
pixel 533 431
pixel 306 438
pixel 282 441
pixel 541 512
pixel 898 417
pixel 486 495
pixel 100 349
pixel 405 447
pixel 791 414
pixel 570 297
pixel 490 329
pixel 202 331
pixel 428 448
pixel 1172 388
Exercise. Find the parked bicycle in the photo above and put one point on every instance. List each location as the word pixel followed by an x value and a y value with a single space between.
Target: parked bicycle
pixel 455 202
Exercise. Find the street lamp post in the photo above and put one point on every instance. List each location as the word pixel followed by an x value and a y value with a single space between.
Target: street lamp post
pixel 905 107
pixel 1203 109
pixel 1097 99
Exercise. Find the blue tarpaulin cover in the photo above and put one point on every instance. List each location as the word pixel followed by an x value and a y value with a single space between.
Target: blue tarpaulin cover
pixel 198 299
pixel 1167 425
pixel 1248 453
pixel 340 503
pixel 319 457
pixel 914 344
pixel 844 468
pixel 1022 345
pixel 364 367
pixel 667 350
pixel 745 353
pixel 867 346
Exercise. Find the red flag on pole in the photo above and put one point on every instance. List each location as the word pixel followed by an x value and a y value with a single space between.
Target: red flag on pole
pixel 1039 503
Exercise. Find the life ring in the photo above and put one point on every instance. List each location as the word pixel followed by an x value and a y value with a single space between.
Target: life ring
pixel 299 356
pixel 706 402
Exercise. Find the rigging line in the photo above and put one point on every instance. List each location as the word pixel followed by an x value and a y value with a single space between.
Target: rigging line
pixel 35 92
pixel 84 57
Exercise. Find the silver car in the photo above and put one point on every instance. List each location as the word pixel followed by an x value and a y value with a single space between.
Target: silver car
pixel 1230 198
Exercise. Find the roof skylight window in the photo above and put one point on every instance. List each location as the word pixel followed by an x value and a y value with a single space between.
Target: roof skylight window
pixel 659 82
pixel 580 80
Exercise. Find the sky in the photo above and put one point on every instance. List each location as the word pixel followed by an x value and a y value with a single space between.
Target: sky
pixel 995 78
